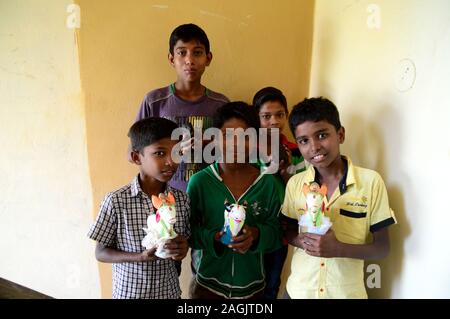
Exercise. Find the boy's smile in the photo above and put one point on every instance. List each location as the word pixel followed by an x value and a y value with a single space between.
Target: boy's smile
pixel 319 142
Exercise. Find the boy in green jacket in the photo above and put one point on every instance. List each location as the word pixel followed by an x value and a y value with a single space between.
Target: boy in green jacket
pixel 235 270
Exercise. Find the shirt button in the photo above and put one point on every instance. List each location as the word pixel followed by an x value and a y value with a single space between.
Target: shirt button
pixel 157 282
pixel 322 264
pixel 321 289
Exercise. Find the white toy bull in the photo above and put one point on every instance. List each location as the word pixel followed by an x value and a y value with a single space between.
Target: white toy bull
pixel 314 220
pixel 160 225
pixel 234 216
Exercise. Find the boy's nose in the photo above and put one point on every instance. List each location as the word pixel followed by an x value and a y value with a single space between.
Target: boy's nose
pixel 315 145
pixel 274 122
pixel 169 161
pixel 189 60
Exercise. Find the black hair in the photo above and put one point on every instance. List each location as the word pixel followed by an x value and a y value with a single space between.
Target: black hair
pixel 314 110
pixel 186 33
pixel 150 130
pixel 240 110
pixel 269 94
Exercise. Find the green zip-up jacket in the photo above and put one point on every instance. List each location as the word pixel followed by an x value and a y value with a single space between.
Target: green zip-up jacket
pixel 220 269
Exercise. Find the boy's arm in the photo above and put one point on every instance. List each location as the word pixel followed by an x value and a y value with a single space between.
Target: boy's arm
pixel 328 246
pixel 201 237
pixel 110 255
pixel 290 231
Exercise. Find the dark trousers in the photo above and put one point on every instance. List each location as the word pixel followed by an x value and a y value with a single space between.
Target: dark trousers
pixel 197 291
pixel 273 264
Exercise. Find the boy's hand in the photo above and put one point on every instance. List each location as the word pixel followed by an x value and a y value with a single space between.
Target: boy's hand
pixel 298 241
pixel 245 241
pixel 218 235
pixel 284 165
pixel 322 246
pixel 177 247
pixel 186 145
pixel 148 255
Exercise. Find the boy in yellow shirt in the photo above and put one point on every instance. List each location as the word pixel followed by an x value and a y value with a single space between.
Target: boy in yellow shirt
pixel 331 265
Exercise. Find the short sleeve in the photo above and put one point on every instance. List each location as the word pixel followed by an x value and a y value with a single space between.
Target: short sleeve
pixel 288 208
pixel 381 215
pixel 144 110
pixel 182 226
pixel 104 230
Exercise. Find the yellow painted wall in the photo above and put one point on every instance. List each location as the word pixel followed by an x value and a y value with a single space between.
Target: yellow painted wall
pixel 123 55
pixel 403 135
pixel 64 115
pixel 46 195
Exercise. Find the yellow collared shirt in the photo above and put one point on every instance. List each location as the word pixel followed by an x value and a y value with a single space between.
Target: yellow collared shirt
pixel 358 207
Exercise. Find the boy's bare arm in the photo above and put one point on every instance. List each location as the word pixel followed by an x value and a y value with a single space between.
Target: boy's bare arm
pixel 290 231
pixel 328 246
pixel 110 255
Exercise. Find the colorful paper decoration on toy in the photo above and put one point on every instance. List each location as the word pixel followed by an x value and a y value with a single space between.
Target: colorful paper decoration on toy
pixel 160 225
pixel 314 220
pixel 234 216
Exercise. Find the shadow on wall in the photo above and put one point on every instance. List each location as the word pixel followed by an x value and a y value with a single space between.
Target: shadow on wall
pixel 371 144
pixel 324 61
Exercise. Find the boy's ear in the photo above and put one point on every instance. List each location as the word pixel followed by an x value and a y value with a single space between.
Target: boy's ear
pixel 135 157
pixel 170 58
pixel 209 57
pixel 341 135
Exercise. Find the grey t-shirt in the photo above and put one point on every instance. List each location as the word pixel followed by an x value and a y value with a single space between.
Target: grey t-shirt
pixel 164 103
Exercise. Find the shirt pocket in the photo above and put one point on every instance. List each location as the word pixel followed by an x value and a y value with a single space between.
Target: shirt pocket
pixel 351 226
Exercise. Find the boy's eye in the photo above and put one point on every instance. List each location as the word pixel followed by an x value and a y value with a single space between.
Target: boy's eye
pixel 181 52
pixel 302 141
pixel 266 116
pixel 198 53
pixel 280 115
pixel 160 153
pixel 323 136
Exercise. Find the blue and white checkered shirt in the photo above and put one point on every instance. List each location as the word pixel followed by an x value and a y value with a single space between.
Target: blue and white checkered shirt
pixel 119 225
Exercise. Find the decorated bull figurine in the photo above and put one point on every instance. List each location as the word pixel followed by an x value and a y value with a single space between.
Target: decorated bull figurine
pixel 314 220
pixel 234 216
pixel 160 225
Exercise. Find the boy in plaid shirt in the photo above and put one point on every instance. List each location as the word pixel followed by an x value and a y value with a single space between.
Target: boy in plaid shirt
pixel 118 230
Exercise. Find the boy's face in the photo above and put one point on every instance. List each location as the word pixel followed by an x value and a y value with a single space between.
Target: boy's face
pixel 272 115
pixel 190 60
pixel 234 123
pixel 319 142
pixel 155 161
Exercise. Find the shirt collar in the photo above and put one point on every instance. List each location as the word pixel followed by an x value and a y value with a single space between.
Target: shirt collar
pixel 347 179
pixel 172 90
pixel 136 187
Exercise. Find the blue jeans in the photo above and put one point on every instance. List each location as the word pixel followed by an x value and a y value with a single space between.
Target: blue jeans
pixel 273 264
